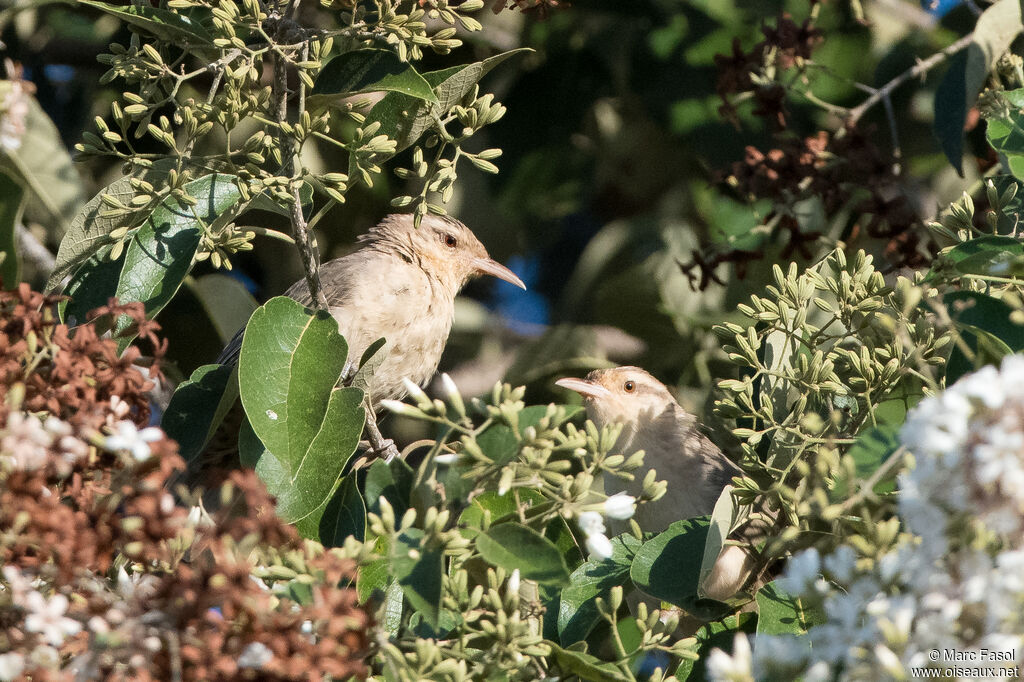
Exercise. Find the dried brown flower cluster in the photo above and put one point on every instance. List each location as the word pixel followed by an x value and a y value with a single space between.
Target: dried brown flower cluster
pixel 72 375
pixel 104 574
pixel 784 46
pixel 541 7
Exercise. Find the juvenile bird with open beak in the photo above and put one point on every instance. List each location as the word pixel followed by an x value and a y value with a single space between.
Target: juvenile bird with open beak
pixel 694 467
pixel 400 285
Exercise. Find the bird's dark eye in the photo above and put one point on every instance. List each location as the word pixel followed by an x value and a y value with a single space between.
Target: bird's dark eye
pixel 449 241
pixel 629 386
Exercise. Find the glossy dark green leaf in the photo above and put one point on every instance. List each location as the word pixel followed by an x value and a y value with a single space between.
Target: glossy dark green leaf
pixel 417 569
pixel 585 666
pixel 88 230
pixel 514 546
pixel 404 118
pixel 368 70
pixel 288 368
pixel 986 325
pixel 780 613
pixel 161 23
pixel 667 567
pixel 995 29
pixel 344 516
pixel 12 201
pixel 198 407
pixel 578 613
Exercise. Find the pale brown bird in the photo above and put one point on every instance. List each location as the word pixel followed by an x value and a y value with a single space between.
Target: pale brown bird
pixel 674 446
pixel 400 285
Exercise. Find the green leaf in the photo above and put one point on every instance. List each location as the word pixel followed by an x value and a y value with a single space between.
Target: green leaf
pixel 418 568
pixel 226 301
pixel 1006 135
pixel 289 365
pixel 160 253
pixel 373 358
pixel 391 481
pixel 91 287
pixel 996 28
pixel 585 666
pixel 344 516
pixel 667 567
pixel 514 546
pixel 990 255
pixel 577 613
pixel 198 407
pixel 12 202
pixel 988 328
pixel 719 634
pixel 88 230
pixel 872 447
pixel 393 607
pixel 404 118
pixel 43 167
pixel 373 576
pixel 368 70
pixel 499 506
pixel 264 202
pixel 162 23
pixel 780 613
pixel 719 525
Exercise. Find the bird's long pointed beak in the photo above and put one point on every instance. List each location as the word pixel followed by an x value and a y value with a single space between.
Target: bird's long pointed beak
pixel 489 266
pixel 587 389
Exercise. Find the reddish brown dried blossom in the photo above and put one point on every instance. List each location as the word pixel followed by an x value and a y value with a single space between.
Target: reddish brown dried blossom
pixel 72 374
pixel 68 510
pixel 541 7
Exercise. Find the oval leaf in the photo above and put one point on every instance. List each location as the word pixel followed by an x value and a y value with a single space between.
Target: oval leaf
pixel 198 407
pixel 289 365
pixel 160 253
pixel 368 70
pixel 577 611
pixel 780 613
pixel 88 230
pixel 513 546
pixel 667 567
pixel 417 569
pixel 162 23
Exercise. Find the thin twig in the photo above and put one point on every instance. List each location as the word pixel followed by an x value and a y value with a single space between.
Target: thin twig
pixel 308 252
pixel 919 69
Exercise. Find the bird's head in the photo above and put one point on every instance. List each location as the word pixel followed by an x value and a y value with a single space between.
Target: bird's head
pixel 444 247
pixel 621 395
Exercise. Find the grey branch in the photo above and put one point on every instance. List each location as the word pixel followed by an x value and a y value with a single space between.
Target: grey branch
pixel 304 242
pixel 919 69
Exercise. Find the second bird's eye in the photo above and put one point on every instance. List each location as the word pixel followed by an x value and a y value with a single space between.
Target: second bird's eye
pixel 449 241
pixel 629 386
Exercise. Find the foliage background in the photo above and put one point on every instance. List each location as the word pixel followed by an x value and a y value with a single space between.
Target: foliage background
pixel 699 188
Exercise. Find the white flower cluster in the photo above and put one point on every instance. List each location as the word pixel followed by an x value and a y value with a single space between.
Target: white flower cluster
pixel 619 507
pixel 43 615
pixel 130 438
pixel 942 593
pixel 26 442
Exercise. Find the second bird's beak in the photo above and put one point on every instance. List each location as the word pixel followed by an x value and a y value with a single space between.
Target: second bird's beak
pixel 587 389
pixel 489 266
